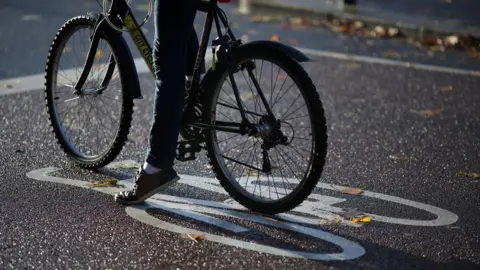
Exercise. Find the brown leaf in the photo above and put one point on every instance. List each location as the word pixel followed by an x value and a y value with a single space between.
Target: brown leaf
pixel 430 41
pixel 274 38
pixel 428 113
pixel 194 237
pixel 446 88
pixel 110 182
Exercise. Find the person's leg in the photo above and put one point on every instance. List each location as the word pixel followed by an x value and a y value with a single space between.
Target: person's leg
pixel 173 29
pixel 173 24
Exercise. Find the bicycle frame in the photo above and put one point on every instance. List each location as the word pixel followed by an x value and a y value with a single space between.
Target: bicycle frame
pixel 120 14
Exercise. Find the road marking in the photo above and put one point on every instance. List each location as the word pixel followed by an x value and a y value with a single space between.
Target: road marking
pixel 321 207
pixel 37 82
pixel 383 61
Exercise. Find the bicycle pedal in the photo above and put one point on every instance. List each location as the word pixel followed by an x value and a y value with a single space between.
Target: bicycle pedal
pixel 186 150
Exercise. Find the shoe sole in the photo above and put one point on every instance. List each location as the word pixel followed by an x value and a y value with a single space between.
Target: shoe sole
pixel 148 195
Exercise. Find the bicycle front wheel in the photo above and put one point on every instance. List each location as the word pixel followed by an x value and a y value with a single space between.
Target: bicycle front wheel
pixel 91 125
pixel 240 162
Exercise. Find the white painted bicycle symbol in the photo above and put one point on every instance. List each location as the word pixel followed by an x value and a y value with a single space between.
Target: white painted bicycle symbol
pixel 321 207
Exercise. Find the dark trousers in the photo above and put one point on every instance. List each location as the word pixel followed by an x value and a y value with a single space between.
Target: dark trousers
pixel 174 52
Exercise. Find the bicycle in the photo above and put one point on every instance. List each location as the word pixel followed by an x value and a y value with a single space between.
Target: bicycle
pixel 201 121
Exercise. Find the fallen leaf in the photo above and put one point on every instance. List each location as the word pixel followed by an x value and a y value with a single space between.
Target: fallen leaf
pixel 393 32
pixel 110 182
pixel 430 41
pixel 358 24
pixel 398 157
pixel 428 113
pixel 408 65
pixel 446 88
pixel 251 172
pixel 391 54
pixel 234 25
pixel 244 38
pixel 379 30
pixel 451 40
pixel 7 86
pixel 351 191
pixel 274 38
pixel 194 237
pixel 469 175
pixel 364 219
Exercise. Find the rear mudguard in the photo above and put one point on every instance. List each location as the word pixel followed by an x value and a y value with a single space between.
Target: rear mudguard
pixel 210 77
pixel 289 50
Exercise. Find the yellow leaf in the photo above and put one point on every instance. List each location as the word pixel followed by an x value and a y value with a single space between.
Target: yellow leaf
pixel 274 38
pixel 250 172
pixel 469 175
pixel 352 191
pixel 391 54
pixel 361 219
pixel 98 54
pixel 428 113
pixel 110 182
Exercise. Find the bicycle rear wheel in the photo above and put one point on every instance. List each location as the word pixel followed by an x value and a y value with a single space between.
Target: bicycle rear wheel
pixel 91 126
pixel 238 161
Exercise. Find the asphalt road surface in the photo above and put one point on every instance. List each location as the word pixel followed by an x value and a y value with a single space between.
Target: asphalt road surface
pixel 399 132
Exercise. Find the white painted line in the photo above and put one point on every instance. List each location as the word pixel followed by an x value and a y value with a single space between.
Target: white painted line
pixel 37 81
pixel 383 61
pixel 318 207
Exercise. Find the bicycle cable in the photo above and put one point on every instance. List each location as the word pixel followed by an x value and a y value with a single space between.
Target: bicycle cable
pixel 105 13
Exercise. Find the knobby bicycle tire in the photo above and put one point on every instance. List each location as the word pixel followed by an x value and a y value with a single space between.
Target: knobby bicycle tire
pixel 316 111
pixel 120 52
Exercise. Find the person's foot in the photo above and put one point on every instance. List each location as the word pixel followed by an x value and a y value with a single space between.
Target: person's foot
pixel 147 185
